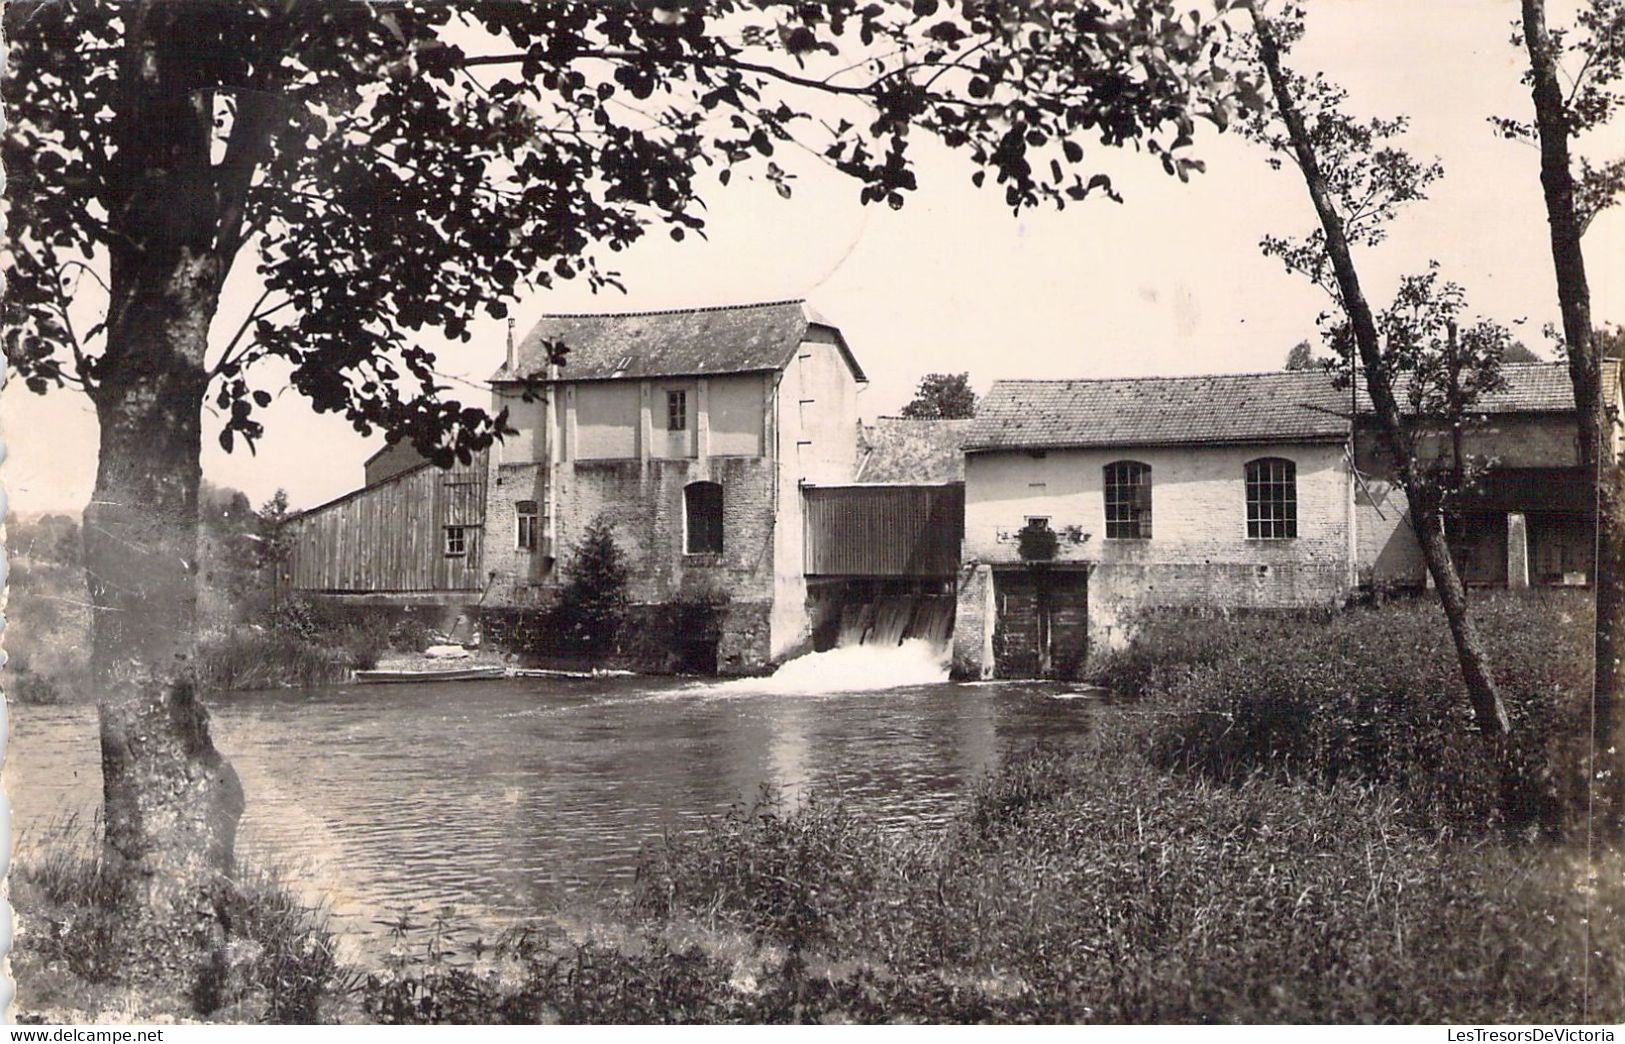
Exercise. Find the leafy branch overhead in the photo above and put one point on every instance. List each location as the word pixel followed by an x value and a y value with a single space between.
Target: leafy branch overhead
pixel 1591 57
pixel 399 168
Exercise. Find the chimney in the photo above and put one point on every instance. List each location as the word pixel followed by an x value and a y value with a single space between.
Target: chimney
pixel 513 360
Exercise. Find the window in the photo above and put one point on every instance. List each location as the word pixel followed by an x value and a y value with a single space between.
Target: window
pixel 527 525
pixel 1128 500
pixel 1272 499
pixel 702 504
pixel 456 540
pixel 677 411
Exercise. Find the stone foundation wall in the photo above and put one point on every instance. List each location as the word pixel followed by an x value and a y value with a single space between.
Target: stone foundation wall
pixel 677 637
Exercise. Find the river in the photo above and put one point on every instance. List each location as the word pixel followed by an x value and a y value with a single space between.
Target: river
pixel 501 797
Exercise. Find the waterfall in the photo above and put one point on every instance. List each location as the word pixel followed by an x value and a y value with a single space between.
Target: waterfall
pixel 891 642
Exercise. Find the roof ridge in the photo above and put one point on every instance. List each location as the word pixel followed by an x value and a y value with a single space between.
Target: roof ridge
pixel 1158 377
pixel 674 311
pixel 1212 376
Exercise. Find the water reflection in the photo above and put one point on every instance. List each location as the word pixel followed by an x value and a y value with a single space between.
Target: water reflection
pixel 501 796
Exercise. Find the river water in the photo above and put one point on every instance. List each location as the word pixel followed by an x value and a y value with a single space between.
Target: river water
pixel 501 797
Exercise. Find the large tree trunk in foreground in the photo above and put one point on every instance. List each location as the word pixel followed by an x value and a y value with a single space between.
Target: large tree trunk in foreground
pixel 171 802
pixel 1591 413
pixel 1488 711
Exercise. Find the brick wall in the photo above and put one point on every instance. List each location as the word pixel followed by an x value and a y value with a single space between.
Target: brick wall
pixel 515 569
pixel 644 502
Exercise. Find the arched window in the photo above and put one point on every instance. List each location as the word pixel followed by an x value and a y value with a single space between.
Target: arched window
pixel 1128 500
pixel 702 506
pixel 1272 499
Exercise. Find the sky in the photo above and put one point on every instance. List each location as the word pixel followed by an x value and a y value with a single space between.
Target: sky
pixel 1170 282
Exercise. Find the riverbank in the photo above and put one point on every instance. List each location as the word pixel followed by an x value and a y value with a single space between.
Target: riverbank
pixel 1326 857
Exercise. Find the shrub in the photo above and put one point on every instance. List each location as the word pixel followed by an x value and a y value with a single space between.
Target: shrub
pixel 67 899
pixel 365 640
pixel 410 635
pixel 298 618
pixel 290 956
pixel 1168 645
pixel 592 602
pixel 1037 542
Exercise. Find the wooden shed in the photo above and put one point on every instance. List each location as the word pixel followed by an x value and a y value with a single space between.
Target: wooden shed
pixel 418 531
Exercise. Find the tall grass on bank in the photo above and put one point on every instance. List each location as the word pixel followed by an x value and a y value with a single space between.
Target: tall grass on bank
pixel 248 658
pixel 1376 695
pixel 1101 889
pixel 277 962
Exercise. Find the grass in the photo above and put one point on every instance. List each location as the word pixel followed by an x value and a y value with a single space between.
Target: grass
pixel 278 963
pixel 248 658
pixel 1102 889
pixel 1375 695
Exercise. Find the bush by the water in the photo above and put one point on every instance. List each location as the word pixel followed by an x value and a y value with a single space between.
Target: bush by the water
pixel 1376 695
pixel 250 658
pixel 303 644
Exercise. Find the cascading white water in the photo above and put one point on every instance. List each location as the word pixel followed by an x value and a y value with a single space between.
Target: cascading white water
pixel 886 644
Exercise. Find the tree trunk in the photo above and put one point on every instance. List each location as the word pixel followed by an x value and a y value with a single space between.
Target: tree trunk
pixel 1426 518
pixel 171 803
pixel 1591 413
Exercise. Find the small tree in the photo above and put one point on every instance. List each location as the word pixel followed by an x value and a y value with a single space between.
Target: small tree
pixel 942 396
pixel 592 604
pixel 274 548
pixel 1357 179
pixel 1574 195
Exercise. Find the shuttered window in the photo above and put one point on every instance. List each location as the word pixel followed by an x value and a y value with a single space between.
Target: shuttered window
pixel 1128 500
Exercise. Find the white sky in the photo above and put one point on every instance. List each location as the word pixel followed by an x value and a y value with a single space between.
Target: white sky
pixel 1171 282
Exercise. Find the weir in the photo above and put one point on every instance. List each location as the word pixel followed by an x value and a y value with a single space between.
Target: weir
pixel 890 621
pixel 868 635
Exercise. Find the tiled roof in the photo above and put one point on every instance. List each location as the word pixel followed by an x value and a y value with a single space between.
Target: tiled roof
pixel 1285 406
pixel 900 449
pixel 681 342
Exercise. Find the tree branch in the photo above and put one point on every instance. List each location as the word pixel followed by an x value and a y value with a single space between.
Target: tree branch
pixel 254 315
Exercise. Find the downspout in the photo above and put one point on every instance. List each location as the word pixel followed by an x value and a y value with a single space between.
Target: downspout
pixel 550 421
